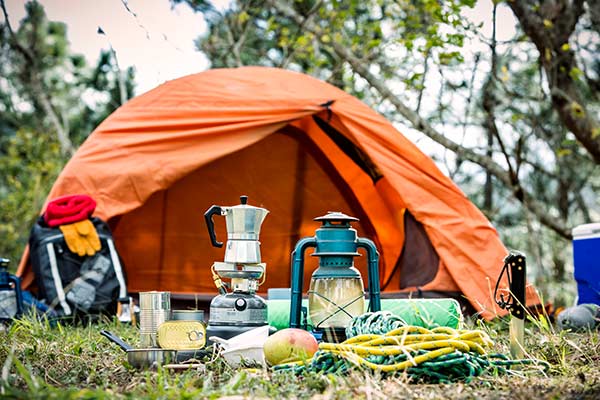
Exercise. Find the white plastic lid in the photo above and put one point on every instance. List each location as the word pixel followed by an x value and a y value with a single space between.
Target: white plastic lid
pixel 587 230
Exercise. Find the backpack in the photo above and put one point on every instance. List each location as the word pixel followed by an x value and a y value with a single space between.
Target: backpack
pixel 72 285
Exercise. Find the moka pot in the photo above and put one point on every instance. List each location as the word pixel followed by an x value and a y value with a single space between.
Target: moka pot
pixel 243 228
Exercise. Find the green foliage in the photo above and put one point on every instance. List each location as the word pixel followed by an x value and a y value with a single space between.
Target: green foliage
pixel 391 33
pixel 81 96
pixel 30 163
pixel 38 64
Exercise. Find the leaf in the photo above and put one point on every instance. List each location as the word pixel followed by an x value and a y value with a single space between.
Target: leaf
pixel 563 152
pixel 504 71
pixel 243 17
pixel 451 57
pixel 565 47
pixel 575 73
pixel 548 24
pixel 595 132
pixel 302 41
pixel 577 110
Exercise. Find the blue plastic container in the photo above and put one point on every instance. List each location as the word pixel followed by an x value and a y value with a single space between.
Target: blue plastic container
pixel 586 257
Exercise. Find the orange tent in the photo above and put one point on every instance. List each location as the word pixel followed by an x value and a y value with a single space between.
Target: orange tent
pixel 296 146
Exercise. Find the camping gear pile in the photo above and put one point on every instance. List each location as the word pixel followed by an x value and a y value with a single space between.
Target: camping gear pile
pixel 164 340
pixel 425 238
pixel 241 310
pixel 439 355
pixel 296 144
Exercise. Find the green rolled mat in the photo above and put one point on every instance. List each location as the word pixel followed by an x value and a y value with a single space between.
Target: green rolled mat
pixel 428 313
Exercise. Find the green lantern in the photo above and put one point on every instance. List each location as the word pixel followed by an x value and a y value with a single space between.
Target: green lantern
pixel 336 292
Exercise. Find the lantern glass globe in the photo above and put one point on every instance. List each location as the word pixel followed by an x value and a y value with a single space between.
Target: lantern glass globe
pixel 333 302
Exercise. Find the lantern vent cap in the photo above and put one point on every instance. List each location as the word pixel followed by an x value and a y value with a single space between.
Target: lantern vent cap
pixel 336 216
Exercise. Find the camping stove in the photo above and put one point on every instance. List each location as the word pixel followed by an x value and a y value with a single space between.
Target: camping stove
pixel 235 312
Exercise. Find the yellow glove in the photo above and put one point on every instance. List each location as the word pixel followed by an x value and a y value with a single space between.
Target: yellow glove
pixel 86 229
pixel 81 237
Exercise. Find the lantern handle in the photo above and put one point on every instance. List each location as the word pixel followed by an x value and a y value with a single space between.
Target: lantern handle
pixel 298 278
pixel 373 270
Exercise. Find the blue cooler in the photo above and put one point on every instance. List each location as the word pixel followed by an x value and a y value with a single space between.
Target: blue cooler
pixel 586 257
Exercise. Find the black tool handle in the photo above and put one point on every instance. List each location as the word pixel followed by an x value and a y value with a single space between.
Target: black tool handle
pixel 211 225
pixel 517 263
pixel 115 339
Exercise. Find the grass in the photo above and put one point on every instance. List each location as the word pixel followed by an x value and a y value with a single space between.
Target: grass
pixel 67 362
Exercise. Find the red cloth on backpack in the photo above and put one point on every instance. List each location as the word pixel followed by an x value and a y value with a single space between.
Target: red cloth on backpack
pixel 69 209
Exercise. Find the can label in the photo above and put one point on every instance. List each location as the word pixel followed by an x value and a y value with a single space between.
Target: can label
pixel 233 315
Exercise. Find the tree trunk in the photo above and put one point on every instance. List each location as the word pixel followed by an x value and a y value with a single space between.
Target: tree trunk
pixel 550 25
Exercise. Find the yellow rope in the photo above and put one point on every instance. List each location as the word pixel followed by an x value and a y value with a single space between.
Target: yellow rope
pixel 361 338
pixel 408 329
pixel 400 340
pixel 406 340
pixel 408 363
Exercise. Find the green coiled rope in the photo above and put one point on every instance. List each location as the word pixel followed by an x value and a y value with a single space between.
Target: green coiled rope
pixel 374 323
pixel 381 342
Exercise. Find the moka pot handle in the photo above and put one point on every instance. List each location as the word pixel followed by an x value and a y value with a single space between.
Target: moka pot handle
pixel 211 225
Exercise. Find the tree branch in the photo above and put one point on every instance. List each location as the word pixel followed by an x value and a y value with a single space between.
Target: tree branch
pixel 422 125
pixel 284 63
pixel 422 88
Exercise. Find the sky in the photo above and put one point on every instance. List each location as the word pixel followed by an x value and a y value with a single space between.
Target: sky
pixel 159 42
pixel 158 39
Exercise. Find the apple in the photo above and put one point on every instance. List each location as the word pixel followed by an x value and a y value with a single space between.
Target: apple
pixel 289 345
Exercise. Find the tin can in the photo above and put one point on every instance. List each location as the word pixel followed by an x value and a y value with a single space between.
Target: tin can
pixel 155 309
pixel 187 315
pixel 181 335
